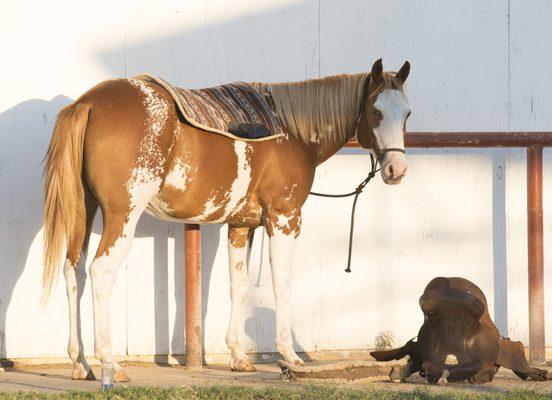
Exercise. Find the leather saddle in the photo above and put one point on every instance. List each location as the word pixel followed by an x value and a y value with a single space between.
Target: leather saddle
pixel 458 340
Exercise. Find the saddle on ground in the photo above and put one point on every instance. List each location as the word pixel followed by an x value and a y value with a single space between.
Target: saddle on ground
pixel 458 340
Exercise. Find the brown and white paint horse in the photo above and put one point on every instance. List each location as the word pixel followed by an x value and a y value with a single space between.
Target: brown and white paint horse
pixel 124 147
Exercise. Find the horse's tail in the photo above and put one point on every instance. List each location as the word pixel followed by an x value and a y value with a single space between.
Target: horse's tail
pixel 63 187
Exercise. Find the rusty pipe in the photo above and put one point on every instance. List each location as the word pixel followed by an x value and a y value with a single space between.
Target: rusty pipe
pixel 192 268
pixel 535 255
pixel 473 139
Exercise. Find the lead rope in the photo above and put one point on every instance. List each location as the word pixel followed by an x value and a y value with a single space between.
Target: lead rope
pixel 355 193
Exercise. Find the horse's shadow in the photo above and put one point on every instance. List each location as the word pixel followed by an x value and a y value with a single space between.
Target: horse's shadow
pixel 166 345
pixel 261 327
pixel 25 132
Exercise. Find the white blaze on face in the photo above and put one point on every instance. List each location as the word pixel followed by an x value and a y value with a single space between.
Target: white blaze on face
pixel 394 109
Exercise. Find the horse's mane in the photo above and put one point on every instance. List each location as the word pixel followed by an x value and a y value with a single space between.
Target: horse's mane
pixel 320 110
pixel 317 110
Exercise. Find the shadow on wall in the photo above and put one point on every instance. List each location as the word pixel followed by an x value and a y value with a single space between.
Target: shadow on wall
pixel 261 327
pixel 25 134
pixel 251 46
pixel 499 265
pixel 161 232
pixel 204 56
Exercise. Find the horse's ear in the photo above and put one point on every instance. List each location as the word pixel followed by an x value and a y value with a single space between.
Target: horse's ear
pixel 403 72
pixel 377 71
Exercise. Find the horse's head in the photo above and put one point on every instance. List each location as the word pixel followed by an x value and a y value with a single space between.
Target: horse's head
pixel 383 118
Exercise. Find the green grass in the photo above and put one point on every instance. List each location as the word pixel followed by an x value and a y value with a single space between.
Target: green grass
pixel 246 393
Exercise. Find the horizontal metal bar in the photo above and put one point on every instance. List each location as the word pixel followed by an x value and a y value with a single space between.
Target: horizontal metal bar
pixel 474 139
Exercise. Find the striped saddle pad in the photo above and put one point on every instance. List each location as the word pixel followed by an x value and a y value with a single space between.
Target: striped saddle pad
pixel 215 109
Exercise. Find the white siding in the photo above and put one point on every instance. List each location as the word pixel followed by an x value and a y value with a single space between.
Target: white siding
pixel 475 66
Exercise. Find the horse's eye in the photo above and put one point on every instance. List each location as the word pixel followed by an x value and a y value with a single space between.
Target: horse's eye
pixel 377 113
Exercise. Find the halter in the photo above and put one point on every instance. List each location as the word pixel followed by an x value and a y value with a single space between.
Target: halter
pixel 392 149
pixel 373 170
pixel 361 108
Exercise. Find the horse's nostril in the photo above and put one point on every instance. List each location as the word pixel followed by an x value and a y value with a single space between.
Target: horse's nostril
pixel 391 169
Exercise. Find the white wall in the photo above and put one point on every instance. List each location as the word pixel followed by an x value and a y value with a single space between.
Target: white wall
pixel 476 66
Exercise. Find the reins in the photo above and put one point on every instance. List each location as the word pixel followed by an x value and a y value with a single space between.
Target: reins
pixel 356 193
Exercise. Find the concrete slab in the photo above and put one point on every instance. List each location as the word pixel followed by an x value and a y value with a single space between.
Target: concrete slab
pixel 58 379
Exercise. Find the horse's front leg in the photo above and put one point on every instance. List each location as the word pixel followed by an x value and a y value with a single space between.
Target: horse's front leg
pixel 239 248
pixel 283 228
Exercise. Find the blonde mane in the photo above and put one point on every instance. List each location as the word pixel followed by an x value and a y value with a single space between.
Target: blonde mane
pixel 317 110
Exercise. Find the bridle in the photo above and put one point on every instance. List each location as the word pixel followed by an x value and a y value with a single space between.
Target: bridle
pixel 379 152
pixel 373 170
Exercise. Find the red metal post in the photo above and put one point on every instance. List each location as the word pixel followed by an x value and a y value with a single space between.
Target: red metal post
pixel 192 267
pixel 535 254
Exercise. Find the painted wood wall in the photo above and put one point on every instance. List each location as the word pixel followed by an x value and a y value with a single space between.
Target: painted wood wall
pixel 475 66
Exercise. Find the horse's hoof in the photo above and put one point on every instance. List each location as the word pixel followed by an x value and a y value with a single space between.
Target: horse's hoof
pixel 443 380
pixel 120 376
pixel 294 360
pixel 298 362
pixel 243 366
pixel 80 374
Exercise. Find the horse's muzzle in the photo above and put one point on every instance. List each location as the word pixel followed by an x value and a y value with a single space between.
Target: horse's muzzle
pixel 393 168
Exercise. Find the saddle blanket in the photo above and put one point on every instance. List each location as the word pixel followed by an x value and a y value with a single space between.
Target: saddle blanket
pixel 215 109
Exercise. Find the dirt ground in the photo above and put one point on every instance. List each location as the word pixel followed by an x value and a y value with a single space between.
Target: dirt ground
pixel 58 379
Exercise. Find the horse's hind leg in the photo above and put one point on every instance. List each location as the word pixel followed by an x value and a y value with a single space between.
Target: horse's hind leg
pixel 118 232
pixel 239 247
pixel 75 278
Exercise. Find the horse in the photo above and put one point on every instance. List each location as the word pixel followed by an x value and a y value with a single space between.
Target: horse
pixel 123 146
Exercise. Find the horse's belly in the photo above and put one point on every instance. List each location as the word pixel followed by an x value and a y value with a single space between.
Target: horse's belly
pixel 245 213
pixel 161 210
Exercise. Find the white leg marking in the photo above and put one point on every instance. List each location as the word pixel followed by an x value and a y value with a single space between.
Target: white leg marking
pixel 75 279
pixel 103 272
pixel 239 282
pixel 281 248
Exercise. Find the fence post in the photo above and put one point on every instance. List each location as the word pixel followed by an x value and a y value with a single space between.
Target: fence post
pixel 535 254
pixel 192 276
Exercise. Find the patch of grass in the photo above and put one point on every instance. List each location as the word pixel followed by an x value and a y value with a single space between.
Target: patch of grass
pixel 247 393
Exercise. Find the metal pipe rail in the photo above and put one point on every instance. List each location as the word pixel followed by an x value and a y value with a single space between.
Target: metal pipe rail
pixel 533 141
